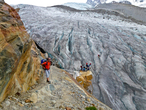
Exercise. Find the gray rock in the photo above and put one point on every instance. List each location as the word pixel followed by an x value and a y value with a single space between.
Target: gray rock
pixel 14 108
pixel 52 88
pixel 7 103
pixel 83 96
pixel 36 107
pixel 53 102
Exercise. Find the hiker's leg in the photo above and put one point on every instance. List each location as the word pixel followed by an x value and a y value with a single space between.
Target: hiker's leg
pixel 47 74
pixel 48 79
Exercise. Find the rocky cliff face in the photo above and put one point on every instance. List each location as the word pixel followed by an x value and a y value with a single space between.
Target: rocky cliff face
pixel 19 57
pixel 76 37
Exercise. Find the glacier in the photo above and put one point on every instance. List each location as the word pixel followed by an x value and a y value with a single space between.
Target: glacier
pixel 76 37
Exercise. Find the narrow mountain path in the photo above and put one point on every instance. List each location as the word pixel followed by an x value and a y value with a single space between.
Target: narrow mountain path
pixel 63 92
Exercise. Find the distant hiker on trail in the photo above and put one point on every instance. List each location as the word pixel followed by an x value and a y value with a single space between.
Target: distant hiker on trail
pixel 87 66
pixel 46 65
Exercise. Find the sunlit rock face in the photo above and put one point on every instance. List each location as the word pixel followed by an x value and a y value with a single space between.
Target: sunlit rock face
pixel 84 79
pixel 19 57
pixel 78 37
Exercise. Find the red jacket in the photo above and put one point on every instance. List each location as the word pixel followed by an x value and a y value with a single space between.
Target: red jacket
pixel 47 65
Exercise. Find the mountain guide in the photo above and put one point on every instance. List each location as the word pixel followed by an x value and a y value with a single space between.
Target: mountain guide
pixel 46 66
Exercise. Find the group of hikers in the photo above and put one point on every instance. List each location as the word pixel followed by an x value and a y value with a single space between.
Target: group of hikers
pixel 83 68
pixel 87 67
pixel 46 63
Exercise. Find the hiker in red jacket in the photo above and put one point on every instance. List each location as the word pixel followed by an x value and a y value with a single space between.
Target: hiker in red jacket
pixel 98 56
pixel 47 65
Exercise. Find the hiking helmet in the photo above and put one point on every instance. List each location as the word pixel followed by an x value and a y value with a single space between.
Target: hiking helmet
pixel 86 63
pixel 90 63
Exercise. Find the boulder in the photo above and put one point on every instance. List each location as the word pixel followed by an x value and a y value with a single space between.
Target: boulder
pixel 85 78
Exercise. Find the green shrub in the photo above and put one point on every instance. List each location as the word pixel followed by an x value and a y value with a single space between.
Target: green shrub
pixel 91 108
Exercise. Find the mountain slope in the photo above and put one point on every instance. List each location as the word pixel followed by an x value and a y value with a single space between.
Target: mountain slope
pixel 63 92
pixel 75 37
pixel 130 11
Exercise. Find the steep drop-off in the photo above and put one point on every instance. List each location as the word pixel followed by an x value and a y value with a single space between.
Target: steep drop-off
pixel 19 58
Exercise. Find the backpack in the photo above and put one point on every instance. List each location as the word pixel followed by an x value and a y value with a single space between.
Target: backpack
pixel 42 61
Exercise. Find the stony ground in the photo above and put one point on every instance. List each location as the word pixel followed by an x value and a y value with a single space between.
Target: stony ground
pixel 64 93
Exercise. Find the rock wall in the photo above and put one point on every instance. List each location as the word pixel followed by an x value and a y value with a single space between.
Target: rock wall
pixel 19 57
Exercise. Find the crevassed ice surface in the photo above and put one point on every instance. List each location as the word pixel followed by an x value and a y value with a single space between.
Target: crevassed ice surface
pixel 77 37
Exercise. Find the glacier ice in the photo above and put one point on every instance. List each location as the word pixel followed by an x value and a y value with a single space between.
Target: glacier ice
pixel 77 37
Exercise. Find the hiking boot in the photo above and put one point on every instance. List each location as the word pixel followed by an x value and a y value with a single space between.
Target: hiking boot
pixel 49 82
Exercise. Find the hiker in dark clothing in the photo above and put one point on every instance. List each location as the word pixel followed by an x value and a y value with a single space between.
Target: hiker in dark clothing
pixel 84 68
pixel 46 65
pixel 88 66
pixel 81 68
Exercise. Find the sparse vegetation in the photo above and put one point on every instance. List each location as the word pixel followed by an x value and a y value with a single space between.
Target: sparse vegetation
pixel 91 108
